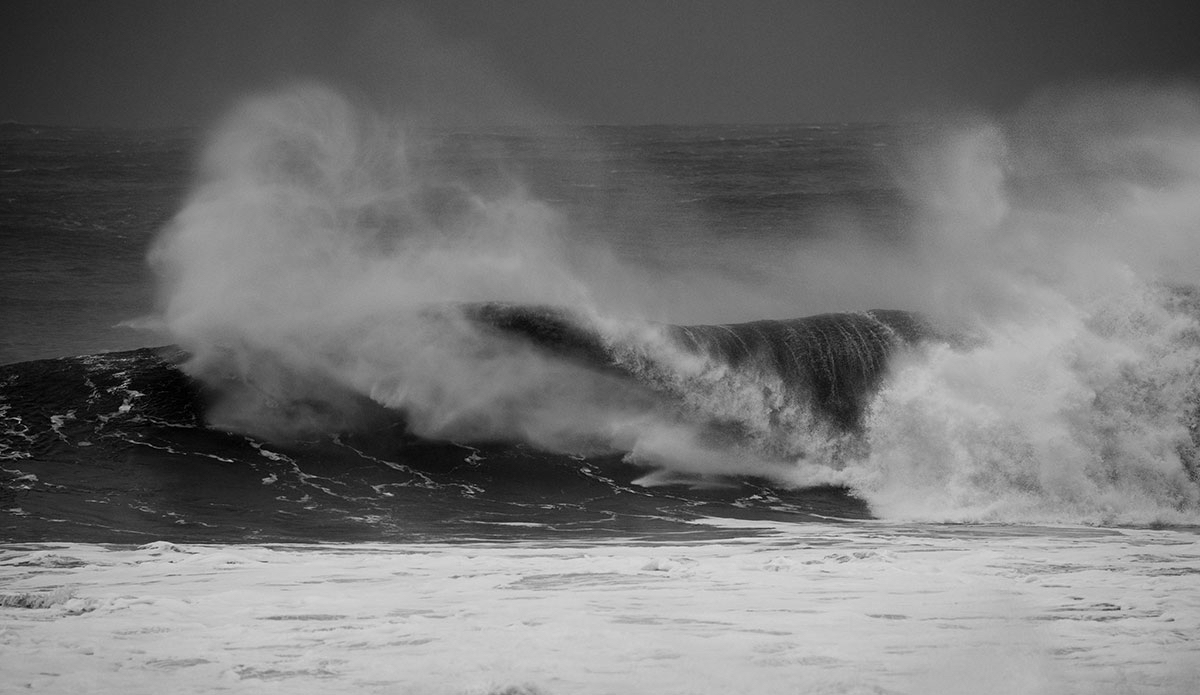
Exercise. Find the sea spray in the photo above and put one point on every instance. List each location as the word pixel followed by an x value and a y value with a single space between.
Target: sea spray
pixel 1062 421
pixel 301 269
pixel 1062 235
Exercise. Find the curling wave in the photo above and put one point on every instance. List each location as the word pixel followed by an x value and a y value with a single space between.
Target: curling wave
pixel 828 366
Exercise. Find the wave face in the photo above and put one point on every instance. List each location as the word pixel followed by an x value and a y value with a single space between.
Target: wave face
pixel 764 392
pixel 829 365
pixel 832 362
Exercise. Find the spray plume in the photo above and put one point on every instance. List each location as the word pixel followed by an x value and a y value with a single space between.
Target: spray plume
pixel 1068 236
pixel 305 262
pixel 317 272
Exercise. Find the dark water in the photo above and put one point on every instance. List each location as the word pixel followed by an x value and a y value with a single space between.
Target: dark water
pixel 114 447
pixel 77 214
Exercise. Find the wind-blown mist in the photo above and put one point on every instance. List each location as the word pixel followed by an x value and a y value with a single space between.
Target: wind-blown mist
pixel 317 270
pixel 1070 236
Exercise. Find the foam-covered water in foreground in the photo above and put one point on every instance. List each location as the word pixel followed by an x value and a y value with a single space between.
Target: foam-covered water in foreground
pixel 868 608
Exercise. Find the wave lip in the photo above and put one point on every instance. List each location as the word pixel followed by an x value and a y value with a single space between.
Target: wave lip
pixel 834 361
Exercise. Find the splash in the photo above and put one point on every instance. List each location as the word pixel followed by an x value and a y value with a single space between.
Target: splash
pixel 1064 235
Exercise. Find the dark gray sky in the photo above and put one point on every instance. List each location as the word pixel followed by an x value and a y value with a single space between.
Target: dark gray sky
pixel 160 62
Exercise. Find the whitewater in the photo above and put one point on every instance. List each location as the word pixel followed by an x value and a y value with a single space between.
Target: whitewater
pixel 830 408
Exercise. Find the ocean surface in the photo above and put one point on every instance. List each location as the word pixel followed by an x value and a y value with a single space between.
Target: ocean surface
pixel 317 401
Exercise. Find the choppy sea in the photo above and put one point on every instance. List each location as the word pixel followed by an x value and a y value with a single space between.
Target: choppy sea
pixel 236 454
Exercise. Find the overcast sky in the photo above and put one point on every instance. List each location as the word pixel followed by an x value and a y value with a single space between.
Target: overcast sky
pixel 160 62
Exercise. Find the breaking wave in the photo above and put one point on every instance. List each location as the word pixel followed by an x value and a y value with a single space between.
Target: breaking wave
pixel 309 272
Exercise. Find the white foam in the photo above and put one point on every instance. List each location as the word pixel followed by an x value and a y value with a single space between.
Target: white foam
pixel 863 608
pixel 1080 400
